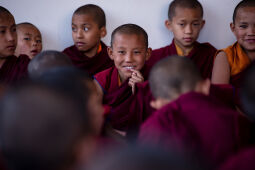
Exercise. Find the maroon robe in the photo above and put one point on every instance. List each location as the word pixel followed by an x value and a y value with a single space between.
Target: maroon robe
pixel 244 160
pixel 14 69
pixel 202 54
pixel 92 65
pixel 128 110
pixel 196 122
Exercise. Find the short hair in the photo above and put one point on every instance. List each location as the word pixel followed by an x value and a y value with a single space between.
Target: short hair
pixel 42 122
pixel 242 4
pixel 4 10
pixel 26 23
pixel 247 92
pixel 47 60
pixel 192 4
pixel 173 75
pixel 93 10
pixel 130 29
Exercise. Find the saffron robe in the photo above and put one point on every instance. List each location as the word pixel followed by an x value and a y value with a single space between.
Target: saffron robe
pixel 14 69
pixel 196 122
pixel 92 65
pixel 238 62
pixel 202 54
pixel 243 160
pixel 128 110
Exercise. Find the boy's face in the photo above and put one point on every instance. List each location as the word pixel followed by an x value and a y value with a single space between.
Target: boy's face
pixel 185 25
pixel 128 52
pixel 29 41
pixel 86 34
pixel 244 28
pixel 8 35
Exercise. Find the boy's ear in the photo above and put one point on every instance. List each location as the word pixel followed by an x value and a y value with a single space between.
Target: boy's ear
pixel 168 25
pixel 204 87
pixel 148 54
pixel 103 32
pixel 203 23
pixel 110 51
pixel 232 27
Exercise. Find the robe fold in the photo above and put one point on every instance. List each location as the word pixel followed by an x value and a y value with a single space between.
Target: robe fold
pixel 92 65
pixel 202 54
pixel 14 69
pixel 196 122
pixel 128 110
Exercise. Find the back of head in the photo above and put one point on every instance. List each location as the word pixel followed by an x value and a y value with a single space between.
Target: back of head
pixel 247 92
pixel 192 4
pixel 149 158
pixel 47 60
pixel 173 75
pixel 130 29
pixel 42 123
pixel 26 23
pixel 242 4
pixel 93 10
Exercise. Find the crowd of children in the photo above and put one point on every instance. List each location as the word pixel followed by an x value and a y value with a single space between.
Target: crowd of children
pixel 191 105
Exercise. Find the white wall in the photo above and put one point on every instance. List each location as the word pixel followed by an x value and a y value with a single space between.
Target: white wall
pixel 53 18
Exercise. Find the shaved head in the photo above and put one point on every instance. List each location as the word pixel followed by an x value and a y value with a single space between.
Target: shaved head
pixel 242 4
pixel 172 76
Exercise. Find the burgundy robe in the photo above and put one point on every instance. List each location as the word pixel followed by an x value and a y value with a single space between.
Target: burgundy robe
pixel 196 122
pixel 202 54
pixel 14 69
pixel 244 160
pixel 92 65
pixel 128 110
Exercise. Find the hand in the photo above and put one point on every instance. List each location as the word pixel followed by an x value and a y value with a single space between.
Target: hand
pixel 136 77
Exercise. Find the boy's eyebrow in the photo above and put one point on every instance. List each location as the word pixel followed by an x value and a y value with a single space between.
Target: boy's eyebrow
pixel 2 26
pixel 28 33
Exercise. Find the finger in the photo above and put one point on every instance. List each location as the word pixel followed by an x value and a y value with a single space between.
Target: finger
pixel 136 79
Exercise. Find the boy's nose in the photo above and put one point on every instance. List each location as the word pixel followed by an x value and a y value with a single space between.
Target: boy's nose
pixel 188 29
pixel 251 30
pixel 129 57
pixel 11 36
pixel 79 34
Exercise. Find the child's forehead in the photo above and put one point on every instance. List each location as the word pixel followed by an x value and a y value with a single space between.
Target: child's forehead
pixel 185 12
pixel 83 18
pixel 6 19
pixel 139 39
pixel 245 12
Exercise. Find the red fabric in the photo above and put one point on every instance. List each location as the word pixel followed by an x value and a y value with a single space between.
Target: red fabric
pixel 202 54
pixel 244 160
pixel 14 69
pixel 128 110
pixel 93 65
pixel 196 122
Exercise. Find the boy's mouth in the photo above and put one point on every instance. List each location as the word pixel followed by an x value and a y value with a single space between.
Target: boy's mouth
pixel 78 44
pixel 11 47
pixel 34 52
pixel 129 67
pixel 250 40
pixel 188 39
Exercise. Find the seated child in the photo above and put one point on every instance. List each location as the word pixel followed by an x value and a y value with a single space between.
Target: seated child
pixel 57 132
pixel 89 52
pixel 185 21
pixel 129 51
pixel 186 115
pixel 230 63
pixel 12 68
pixel 47 60
pixel 29 40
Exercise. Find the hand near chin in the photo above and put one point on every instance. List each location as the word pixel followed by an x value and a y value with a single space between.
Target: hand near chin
pixel 136 77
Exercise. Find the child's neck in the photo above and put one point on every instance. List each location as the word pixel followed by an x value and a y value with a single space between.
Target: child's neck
pixel 2 60
pixel 91 53
pixel 251 55
pixel 182 51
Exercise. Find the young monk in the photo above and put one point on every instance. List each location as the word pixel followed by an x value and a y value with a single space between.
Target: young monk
pixel 47 60
pixel 129 51
pixel 89 52
pixel 186 115
pixel 29 40
pixel 185 21
pixel 12 68
pixel 230 63
pixel 57 132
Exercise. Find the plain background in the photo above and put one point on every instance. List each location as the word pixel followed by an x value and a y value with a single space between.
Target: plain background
pixel 53 18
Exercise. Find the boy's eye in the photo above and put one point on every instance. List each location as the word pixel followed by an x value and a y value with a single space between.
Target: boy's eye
pixel 121 52
pixel 13 29
pixel 86 28
pixel 2 31
pixel 137 52
pixel 196 24
pixel 38 41
pixel 27 38
pixel 243 26
pixel 74 29
pixel 181 24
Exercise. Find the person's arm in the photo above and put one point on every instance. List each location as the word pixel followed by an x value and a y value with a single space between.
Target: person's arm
pixel 221 69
